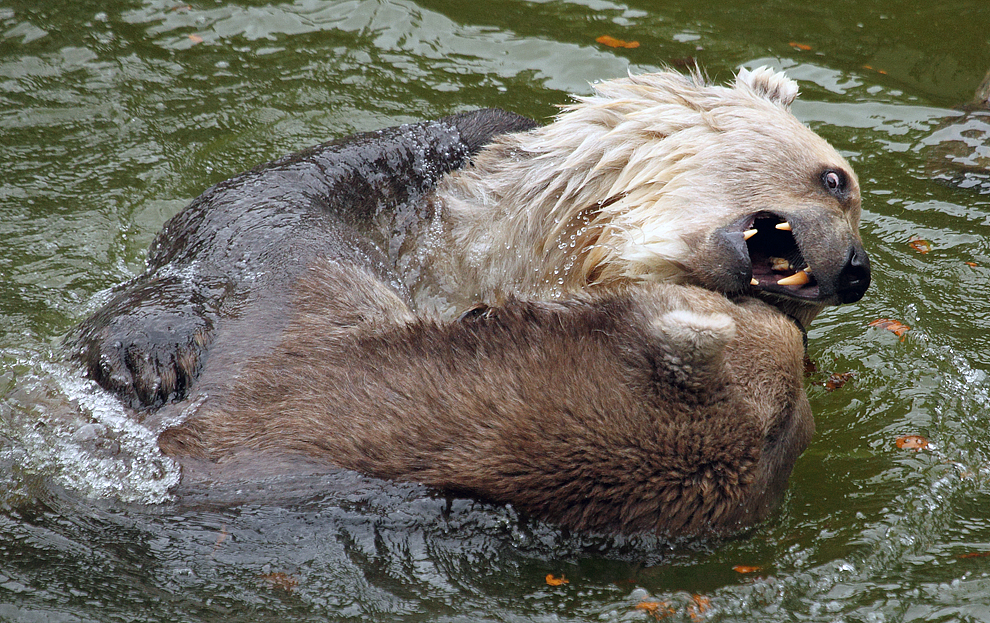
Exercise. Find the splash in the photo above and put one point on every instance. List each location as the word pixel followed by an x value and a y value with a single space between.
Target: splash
pixel 63 428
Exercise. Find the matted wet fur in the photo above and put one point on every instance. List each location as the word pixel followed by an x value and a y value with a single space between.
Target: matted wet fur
pixel 305 313
pixel 658 177
pixel 655 177
pixel 664 408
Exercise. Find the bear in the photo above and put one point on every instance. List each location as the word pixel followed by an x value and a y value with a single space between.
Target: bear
pixel 623 412
pixel 479 248
pixel 658 177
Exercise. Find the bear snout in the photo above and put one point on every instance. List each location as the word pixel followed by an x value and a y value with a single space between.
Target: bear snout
pixel 854 278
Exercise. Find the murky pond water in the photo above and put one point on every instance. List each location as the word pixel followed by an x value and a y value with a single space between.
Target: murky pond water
pixel 114 115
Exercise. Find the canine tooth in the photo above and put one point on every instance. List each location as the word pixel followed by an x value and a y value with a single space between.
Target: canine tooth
pixel 753 281
pixel 749 233
pixel 784 226
pixel 797 279
pixel 779 264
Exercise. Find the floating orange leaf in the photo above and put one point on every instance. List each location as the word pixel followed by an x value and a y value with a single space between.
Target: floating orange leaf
pixel 971 264
pixel 745 569
pixel 195 38
pixel 800 46
pixel 553 581
pixel 879 71
pixel 974 555
pixel 912 442
pixel 896 327
pixel 657 609
pixel 612 42
pixel 920 245
pixel 700 606
pixel 281 581
pixel 837 380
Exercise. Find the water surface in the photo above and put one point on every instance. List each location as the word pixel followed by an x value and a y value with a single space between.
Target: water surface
pixel 113 115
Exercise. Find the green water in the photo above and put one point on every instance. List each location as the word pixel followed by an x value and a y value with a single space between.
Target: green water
pixel 114 115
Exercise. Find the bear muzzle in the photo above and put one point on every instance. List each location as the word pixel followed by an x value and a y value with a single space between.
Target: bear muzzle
pixel 769 254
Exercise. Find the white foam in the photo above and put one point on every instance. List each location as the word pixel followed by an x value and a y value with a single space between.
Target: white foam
pixel 81 437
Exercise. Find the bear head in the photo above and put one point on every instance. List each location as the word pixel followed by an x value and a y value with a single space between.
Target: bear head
pixel 664 177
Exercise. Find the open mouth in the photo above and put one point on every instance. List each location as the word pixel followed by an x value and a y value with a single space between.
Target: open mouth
pixel 776 260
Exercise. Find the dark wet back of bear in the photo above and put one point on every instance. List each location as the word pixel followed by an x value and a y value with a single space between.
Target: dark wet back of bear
pixel 227 262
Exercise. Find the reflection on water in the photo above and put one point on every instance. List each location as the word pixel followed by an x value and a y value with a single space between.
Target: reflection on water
pixel 961 151
pixel 960 147
pixel 114 115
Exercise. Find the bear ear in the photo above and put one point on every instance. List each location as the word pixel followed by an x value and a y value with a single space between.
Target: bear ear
pixel 696 338
pixel 692 344
pixel 763 81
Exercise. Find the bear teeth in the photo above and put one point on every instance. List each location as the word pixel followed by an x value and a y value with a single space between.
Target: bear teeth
pixel 784 226
pixel 749 233
pixel 780 264
pixel 799 278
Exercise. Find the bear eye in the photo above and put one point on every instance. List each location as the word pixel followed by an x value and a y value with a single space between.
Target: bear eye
pixel 834 182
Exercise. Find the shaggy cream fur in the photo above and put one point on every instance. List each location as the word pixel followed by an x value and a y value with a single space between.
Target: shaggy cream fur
pixel 624 186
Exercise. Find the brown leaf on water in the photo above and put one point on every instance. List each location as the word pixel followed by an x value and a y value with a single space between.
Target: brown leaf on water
pixel 879 71
pixel 195 38
pixel 896 327
pixel 911 442
pixel 657 609
pixel 837 380
pixel 974 555
pixel 700 606
pixel 920 245
pixel 555 581
pixel 745 569
pixel 281 581
pixel 971 264
pixel 800 46
pixel 612 42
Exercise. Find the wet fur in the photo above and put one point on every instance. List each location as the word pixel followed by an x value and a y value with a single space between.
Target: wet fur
pixel 638 411
pixel 630 185
pixel 636 183
pixel 305 314
pixel 220 273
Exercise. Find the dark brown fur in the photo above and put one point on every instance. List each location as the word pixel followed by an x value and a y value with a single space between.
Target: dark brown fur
pixel 598 414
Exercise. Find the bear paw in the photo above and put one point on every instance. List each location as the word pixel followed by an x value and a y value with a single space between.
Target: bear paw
pixel 143 347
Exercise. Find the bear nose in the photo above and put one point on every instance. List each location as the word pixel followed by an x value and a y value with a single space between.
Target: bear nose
pixel 854 278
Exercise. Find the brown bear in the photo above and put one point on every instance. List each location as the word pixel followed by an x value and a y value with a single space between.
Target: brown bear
pixel 335 276
pixel 639 411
